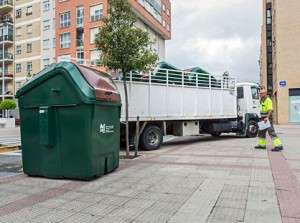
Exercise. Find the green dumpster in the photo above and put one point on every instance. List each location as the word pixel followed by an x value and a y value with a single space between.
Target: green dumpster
pixel 70 123
pixel 164 69
pixel 203 78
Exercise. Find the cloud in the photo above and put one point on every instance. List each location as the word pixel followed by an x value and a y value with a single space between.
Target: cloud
pixel 217 35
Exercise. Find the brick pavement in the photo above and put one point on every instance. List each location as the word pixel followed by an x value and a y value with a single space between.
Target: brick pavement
pixel 195 179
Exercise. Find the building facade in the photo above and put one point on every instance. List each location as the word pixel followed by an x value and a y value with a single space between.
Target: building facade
pixel 37 33
pixel 280 55
pixel 7 49
pixel 78 22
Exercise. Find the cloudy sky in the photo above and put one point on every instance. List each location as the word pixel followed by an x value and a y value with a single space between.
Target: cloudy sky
pixel 217 36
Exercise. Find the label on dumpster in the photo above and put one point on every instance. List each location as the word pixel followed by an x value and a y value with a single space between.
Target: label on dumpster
pixel 106 128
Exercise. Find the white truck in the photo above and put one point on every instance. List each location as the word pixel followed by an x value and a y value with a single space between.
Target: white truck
pixel 180 103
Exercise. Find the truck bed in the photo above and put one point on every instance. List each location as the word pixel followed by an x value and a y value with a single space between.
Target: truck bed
pixel 179 97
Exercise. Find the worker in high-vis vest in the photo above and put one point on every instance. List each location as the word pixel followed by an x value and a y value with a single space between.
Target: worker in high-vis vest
pixel 266 110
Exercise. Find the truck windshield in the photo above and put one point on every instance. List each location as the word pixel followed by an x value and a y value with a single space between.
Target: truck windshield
pixel 254 92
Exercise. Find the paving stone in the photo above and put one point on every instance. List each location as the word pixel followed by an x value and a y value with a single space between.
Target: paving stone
pixel 226 215
pixel 81 217
pixel 262 217
pixel 99 209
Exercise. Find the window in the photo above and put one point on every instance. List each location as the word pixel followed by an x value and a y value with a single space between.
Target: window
pixel 29 47
pixel 164 7
pixel 168 27
pixel 164 23
pixel 269 42
pixel 79 15
pixel 46 5
pixel 46 24
pixel 19 31
pixel 54 43
pixel 269 17
pixel 18 50
pixel 168 12
pixel 29 29
pixel 240 93
pixel 46 44
pixel 65 41
pixel 64 57
pixel 46 63
pixel 29 10
pixel 19 13
pixel 254 92
pixel 95 56
pixel 65 20
pixel 93 32
pixel 29 66
pixel 18 68
pixel 96 12
pixel 80 56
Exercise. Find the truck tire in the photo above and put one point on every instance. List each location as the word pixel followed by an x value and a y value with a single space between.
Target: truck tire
pixel 151 138
pixel 216 134
pixel 252 129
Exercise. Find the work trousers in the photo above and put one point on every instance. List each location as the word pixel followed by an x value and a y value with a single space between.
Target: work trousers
pixel 262 136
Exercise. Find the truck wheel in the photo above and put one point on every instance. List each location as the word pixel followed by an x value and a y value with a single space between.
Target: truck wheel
pixel 216 134
pixel 252 129
pixel 151 138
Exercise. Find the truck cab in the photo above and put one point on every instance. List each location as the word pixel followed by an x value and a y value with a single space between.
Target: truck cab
pixel 248 107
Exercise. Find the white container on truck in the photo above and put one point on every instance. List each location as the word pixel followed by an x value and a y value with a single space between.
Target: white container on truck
pixel 180 103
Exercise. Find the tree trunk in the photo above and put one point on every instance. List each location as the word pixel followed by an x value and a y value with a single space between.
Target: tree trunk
pixel 126 114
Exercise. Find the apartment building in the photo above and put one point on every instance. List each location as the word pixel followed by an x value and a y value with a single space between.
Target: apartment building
pixel 7 49
pixel 279 60
pixel 78 22
pixel 38 33
pixel 34 38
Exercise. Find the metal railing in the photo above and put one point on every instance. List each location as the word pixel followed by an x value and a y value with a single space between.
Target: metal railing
pixel 79 42
pixel 6 74
pixel 8 37
pixel 6 55
pixel 182 78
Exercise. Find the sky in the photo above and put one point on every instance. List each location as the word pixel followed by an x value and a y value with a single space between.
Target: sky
pixel 217 36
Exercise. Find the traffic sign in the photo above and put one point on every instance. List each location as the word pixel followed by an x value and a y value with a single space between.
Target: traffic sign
pixel 282 83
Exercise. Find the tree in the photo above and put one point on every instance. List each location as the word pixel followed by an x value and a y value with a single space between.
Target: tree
pixel 7 104
pixel 124 47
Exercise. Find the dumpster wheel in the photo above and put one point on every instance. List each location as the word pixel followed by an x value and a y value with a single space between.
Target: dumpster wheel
pixel 151 138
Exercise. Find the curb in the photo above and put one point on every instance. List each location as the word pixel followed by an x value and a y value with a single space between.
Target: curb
pixel 4 148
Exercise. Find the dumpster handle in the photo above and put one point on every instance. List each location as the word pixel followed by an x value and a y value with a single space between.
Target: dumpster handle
pixel 55 90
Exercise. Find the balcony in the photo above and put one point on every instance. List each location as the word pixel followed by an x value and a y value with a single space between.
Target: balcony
pixel 7 75
pixel 6 5
pixel 8 40
pixel 79 43
pixel 6 18
pixel 8 93
pixel 8 57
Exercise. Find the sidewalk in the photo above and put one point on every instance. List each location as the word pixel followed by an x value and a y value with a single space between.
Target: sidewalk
pixel 194 179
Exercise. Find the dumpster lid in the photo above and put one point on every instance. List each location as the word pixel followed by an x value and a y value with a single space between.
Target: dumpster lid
pixel 90 84
pixel 101 82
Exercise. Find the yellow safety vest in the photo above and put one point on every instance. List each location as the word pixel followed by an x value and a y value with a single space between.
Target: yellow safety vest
pixel 265 106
